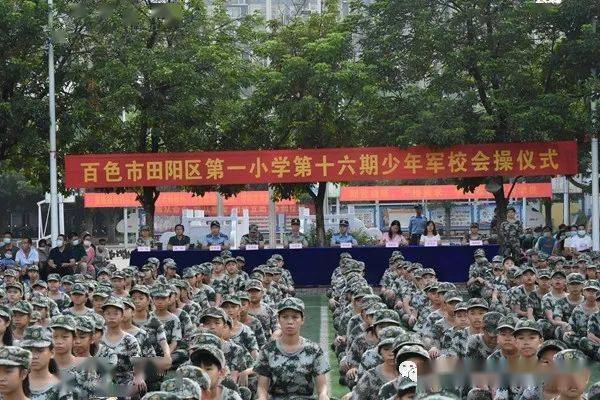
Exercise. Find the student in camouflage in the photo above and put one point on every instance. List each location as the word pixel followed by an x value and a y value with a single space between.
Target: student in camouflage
pixel 14 368
pixel 291 366
pixel 240 333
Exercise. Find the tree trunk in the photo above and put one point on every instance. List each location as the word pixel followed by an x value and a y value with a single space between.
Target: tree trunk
pixel 320 213
pixel 547 211
pixel 501 206
pixel 111 226
pixel 148 198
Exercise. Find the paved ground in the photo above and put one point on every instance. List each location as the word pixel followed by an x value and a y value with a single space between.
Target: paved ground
pixel 318 327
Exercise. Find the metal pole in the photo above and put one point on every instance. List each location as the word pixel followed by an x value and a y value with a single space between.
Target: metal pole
pixel 524 216
pixel 52 109
pixel 272 222
pixel 566 207
pixel 219 205
pixel 595 185
pixel 61 214
pixel 125 227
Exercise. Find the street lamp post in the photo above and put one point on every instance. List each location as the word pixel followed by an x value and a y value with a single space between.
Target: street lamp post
pixel 52 109
pixel 595 183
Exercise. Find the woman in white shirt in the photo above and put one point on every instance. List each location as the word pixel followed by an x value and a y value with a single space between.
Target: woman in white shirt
pixel 394 235
pixel 430 234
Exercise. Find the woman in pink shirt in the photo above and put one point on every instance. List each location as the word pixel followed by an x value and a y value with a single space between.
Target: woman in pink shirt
pixel 90 252
pixel 394 235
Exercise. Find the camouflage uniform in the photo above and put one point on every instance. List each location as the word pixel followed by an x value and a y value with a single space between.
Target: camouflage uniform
pixel 259 333
pixel 292 374
pixel 245 338
pixel 146 348
pixel 155 332
pixel 512 231
pixel 235 356
pixel 369 384
pixel 267 318
pixel 173 328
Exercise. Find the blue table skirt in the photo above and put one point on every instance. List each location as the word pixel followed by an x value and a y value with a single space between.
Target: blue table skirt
pixel 313 266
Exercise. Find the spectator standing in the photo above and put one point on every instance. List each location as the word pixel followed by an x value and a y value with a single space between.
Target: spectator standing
pixel 179 239
pixel 546 242
pixel 416 225
pixel 430 233
pixel 394 235
pixel 61 259
pixel 87 262
pixel 528 240
pixel 27 255
pixel 512 229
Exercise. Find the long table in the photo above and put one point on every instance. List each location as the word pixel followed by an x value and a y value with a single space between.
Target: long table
pixel 313 266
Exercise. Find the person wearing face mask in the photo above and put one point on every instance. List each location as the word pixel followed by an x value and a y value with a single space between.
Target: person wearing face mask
pixel 61 259
pixel 43 254
pixel 571 233
pixel 581 242
pixel 27 255
pixel 7 246
pixel 546 242
pixel 102 255
pixel 77 247
pixel 86 265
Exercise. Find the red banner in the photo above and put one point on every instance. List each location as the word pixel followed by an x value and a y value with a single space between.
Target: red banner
pixel 319 165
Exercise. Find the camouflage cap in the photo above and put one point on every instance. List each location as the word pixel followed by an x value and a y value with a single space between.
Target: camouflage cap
pixel 444 287
pixel 373 308
pixel 5 312
pixel 406 352
pixel 558 345
pixel 99 322
pixel 584 258
pixel 369 300
pixel 592 266
pixel 240 259
pixel 513 272
pixel 570 360
pixel 431 287
pixel 217 260
pixel 179 283
pixel 22 307
pixel 66 322
pixel 386 316
pixel 558 272
pixel 40 283
pixel 230 298
pixel 407 339
pixel 140 289
pixel 160 396
pixel 242 296
pixel 479 253
pixel 37 337
pixel 477 302
pixel 205 339
pixel 507 322
pixel 428 271
pixel 103 271
pixel 451 296
pixel 491 320
pixel 79 288
pixel 196 374
pixel 85 323
pixel 498 259
pixel 102 291
pixel 189 273
pixel 53 278
pixel 461 306
pixel 254 284
pixel 117 275
pixel 530 252
pixel 361 291
pixel 591 284
pixel 479 394
pixel 184 388
pixel 213 351
pixel 228 260
pixel 15 356
pixel 527 325
pixel 11 272
pixel 345 255
pixel 35 317
pixel 114 302
pixel 213 312
pixel 15 285
pixel 39 300
pixel 291 303
pixel 128 302
pixel 205 268
pixel 388 335
pixel 544 273
pixel 253 228
pixel 575 278
pixel 404 385
pixel 160 290
pixel 528 268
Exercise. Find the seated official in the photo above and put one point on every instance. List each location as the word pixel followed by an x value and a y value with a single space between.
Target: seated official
pixel 295 236
pixel 215 237
pixel 430 234
pixel 343 236
pixel 252 237
pixel 393 236
pixel 179 239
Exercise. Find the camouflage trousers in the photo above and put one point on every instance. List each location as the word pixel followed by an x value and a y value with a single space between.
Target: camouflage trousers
pixel 592 350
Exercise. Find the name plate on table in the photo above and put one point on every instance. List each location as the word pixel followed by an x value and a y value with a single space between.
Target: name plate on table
pixel 295 245
pixel 430 242
pixel 392 244
pixel 143 248
pixel 346 245
pixel 251 247
pixel 215 247
pixel 475 242
pixel 179 248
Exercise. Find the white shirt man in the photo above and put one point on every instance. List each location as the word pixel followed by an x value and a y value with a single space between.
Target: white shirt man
pixel 582 241
pixel 27 255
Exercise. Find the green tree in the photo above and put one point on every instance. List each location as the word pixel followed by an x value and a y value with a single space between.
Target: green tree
pixel 464 71
pixel 309 94
pixel 156 78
